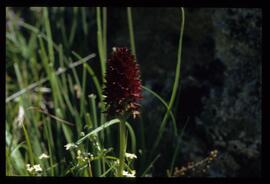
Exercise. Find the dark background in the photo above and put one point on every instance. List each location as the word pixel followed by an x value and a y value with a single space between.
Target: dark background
pixel 220 80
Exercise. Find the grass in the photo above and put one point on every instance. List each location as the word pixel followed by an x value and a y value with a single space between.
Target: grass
pixel 59 94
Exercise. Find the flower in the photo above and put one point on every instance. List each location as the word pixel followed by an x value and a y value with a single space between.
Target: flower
pixel 70 146
pixel 29 168
pixel 127 174
pixel 34 168
pixel 130 156
pixel 43 156
pixel 37 168
pixel 123 84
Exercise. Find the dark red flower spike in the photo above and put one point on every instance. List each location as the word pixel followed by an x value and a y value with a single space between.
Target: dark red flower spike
pixel 123 84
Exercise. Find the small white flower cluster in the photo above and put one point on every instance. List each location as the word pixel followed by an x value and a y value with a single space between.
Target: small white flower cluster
pixel 43 156
pixel 70 146
pixel 80 157
pixel 33 169
pixel 127 174
pixel 131 156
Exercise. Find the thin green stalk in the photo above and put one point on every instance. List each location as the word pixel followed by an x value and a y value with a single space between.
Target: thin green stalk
pixel 8 162
pixel 55 82
pixel 66 129
pixel 150 165
pixel 46 63
pixel 100 44
pixel 94 115
pixel 93 76
pixel 88 120
pixel 104 29
pixel 131 33
pixel 49 34
pixel 24 103
pixel 70 85
pixel 95 80
pixel 49 138
pixel 178 140
pixel 30 150
pixel 82 96
pixel 74 26
pixel 102 105
pixel 84 21
pixel 90 169
pixel 142 136
pixel 122 146
pixel 133 137
pixel 74 72
pixel 102 49
pixel 167 108
pixel 176 83
pixel 106 172
pixel 93 109
pixel 63 31
pixel 98 129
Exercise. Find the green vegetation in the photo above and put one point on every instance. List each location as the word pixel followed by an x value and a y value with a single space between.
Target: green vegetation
pixel 55 120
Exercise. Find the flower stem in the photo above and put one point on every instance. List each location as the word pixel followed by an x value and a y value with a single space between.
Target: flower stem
pixel 122 149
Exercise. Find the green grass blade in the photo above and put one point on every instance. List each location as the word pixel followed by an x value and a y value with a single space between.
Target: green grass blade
pixel 29 145
pixel 49 33
pixel 150 165
pixel 84 21
pixel 176 82
pixel 175 154
pixel 131 32
pixel 132 137
pixel 100 44
pixel 98 129
pixel 167 108
pixel 104 36
pixel 73 26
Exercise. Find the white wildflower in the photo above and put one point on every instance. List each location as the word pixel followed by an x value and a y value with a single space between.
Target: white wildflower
pixel 92 96
pixel 34 168
pixel 61 70
pixel 130 156
pixel 127 174
pixel 70 146
pixel 43 156
pixel 37 168
pixel 29 168
pixel 80 156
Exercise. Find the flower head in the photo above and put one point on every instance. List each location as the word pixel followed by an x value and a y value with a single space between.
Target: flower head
pixel 43 156
pixel 127 174
pixel 37 168
pixel 70 146
pixel 130 156
pixel 34 168
pixel 123 84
